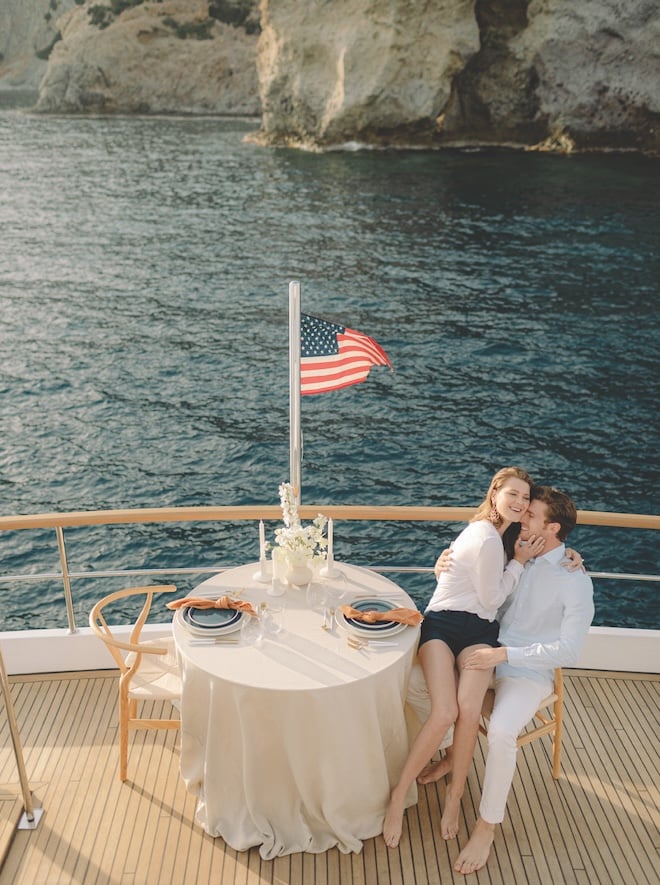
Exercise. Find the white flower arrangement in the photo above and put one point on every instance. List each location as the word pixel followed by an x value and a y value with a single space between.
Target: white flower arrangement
pixel 296 539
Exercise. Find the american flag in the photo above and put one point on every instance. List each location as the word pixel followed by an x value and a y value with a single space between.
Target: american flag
pixel 333 356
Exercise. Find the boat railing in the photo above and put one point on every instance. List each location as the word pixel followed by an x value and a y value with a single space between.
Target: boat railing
pixel 58 522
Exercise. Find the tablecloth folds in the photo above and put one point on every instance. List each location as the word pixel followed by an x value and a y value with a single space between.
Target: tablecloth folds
pixel 267 727
pixel 409 616
pixel 206 602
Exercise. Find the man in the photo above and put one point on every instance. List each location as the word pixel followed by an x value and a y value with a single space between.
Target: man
pixel 543 625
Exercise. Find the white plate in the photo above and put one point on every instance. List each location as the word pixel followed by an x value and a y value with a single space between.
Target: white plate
pixel 380 629
pixel 232 624
pixel 209 618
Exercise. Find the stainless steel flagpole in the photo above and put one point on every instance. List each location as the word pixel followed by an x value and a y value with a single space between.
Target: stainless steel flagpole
pixel 295 434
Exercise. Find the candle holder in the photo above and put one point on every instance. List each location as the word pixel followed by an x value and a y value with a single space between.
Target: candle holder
pixel 276 588
pixel 265 573
pixel 329 571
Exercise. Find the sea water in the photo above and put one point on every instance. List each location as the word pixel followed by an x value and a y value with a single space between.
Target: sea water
pixel 144 276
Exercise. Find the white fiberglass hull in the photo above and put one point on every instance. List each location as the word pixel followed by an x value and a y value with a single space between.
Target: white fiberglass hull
pixel 57 651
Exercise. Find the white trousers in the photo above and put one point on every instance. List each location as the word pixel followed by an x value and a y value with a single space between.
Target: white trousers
pixel 516 701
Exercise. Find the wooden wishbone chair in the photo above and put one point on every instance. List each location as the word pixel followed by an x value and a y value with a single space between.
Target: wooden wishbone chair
pixel 550 723
pixel 148 669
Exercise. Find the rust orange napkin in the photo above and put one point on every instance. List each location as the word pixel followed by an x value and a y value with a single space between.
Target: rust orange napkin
pixel 205 602
pixel 409 616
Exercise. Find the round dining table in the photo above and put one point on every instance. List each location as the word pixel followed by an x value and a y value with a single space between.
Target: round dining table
pixel 294 742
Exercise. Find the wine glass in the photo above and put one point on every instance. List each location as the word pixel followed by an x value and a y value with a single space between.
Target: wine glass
pixel 252 627
pixel 273 617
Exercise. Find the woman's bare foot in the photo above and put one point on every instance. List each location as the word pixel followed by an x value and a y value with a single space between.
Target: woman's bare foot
pixel 393 823
pixel 475 854
pixel 450 815
pixel 434 771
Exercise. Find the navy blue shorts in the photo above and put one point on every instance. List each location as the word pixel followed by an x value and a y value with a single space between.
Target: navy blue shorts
pixel 459 630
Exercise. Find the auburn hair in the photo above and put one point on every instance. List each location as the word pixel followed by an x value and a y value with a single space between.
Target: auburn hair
pixel 484 510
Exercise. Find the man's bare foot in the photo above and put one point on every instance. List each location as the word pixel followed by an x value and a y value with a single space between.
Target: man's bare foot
pixel 450 815
pixel 434 771
pixel 475 854
pixel 393 823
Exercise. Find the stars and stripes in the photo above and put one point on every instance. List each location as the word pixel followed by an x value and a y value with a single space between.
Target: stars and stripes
pixel 333 356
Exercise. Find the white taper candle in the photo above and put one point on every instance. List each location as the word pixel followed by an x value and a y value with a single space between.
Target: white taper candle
pixel 330 551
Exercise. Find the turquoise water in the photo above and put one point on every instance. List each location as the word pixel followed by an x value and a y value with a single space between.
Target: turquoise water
pixel 144 272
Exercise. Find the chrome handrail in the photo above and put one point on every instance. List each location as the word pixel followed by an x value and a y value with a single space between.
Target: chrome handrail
pixel 66 579
pixel 215 569
pixel 386 513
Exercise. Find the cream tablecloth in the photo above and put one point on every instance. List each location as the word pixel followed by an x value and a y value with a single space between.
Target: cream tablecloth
pixel 296 744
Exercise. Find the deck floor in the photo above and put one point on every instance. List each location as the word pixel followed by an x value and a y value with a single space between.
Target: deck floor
pixel 598 823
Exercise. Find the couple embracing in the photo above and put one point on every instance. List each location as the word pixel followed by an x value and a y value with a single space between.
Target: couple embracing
pixel 508 596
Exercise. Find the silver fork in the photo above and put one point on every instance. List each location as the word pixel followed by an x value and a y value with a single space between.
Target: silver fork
pixel 359 644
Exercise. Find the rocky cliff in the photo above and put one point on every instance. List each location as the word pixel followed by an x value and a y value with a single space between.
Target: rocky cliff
pixel 364 70
pixel 447 72
pixel 589 69
pixel 28 33
pixel 175 56
pixel 321 73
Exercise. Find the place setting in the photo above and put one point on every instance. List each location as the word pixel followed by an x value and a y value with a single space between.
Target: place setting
pixel 372 622
pixel 212 621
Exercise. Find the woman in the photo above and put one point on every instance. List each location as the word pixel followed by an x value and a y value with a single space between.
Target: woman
pixel 459 618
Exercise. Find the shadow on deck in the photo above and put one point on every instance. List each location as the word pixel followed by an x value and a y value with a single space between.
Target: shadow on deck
pixel 598 823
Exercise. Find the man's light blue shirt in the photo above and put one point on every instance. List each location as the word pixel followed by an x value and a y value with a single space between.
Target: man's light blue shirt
pixel 546 619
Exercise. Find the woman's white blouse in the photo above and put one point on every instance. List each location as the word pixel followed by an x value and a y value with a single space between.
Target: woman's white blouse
pixel 477 580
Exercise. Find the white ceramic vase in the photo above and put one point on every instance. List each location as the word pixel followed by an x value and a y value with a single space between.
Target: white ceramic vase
pixel 299 572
